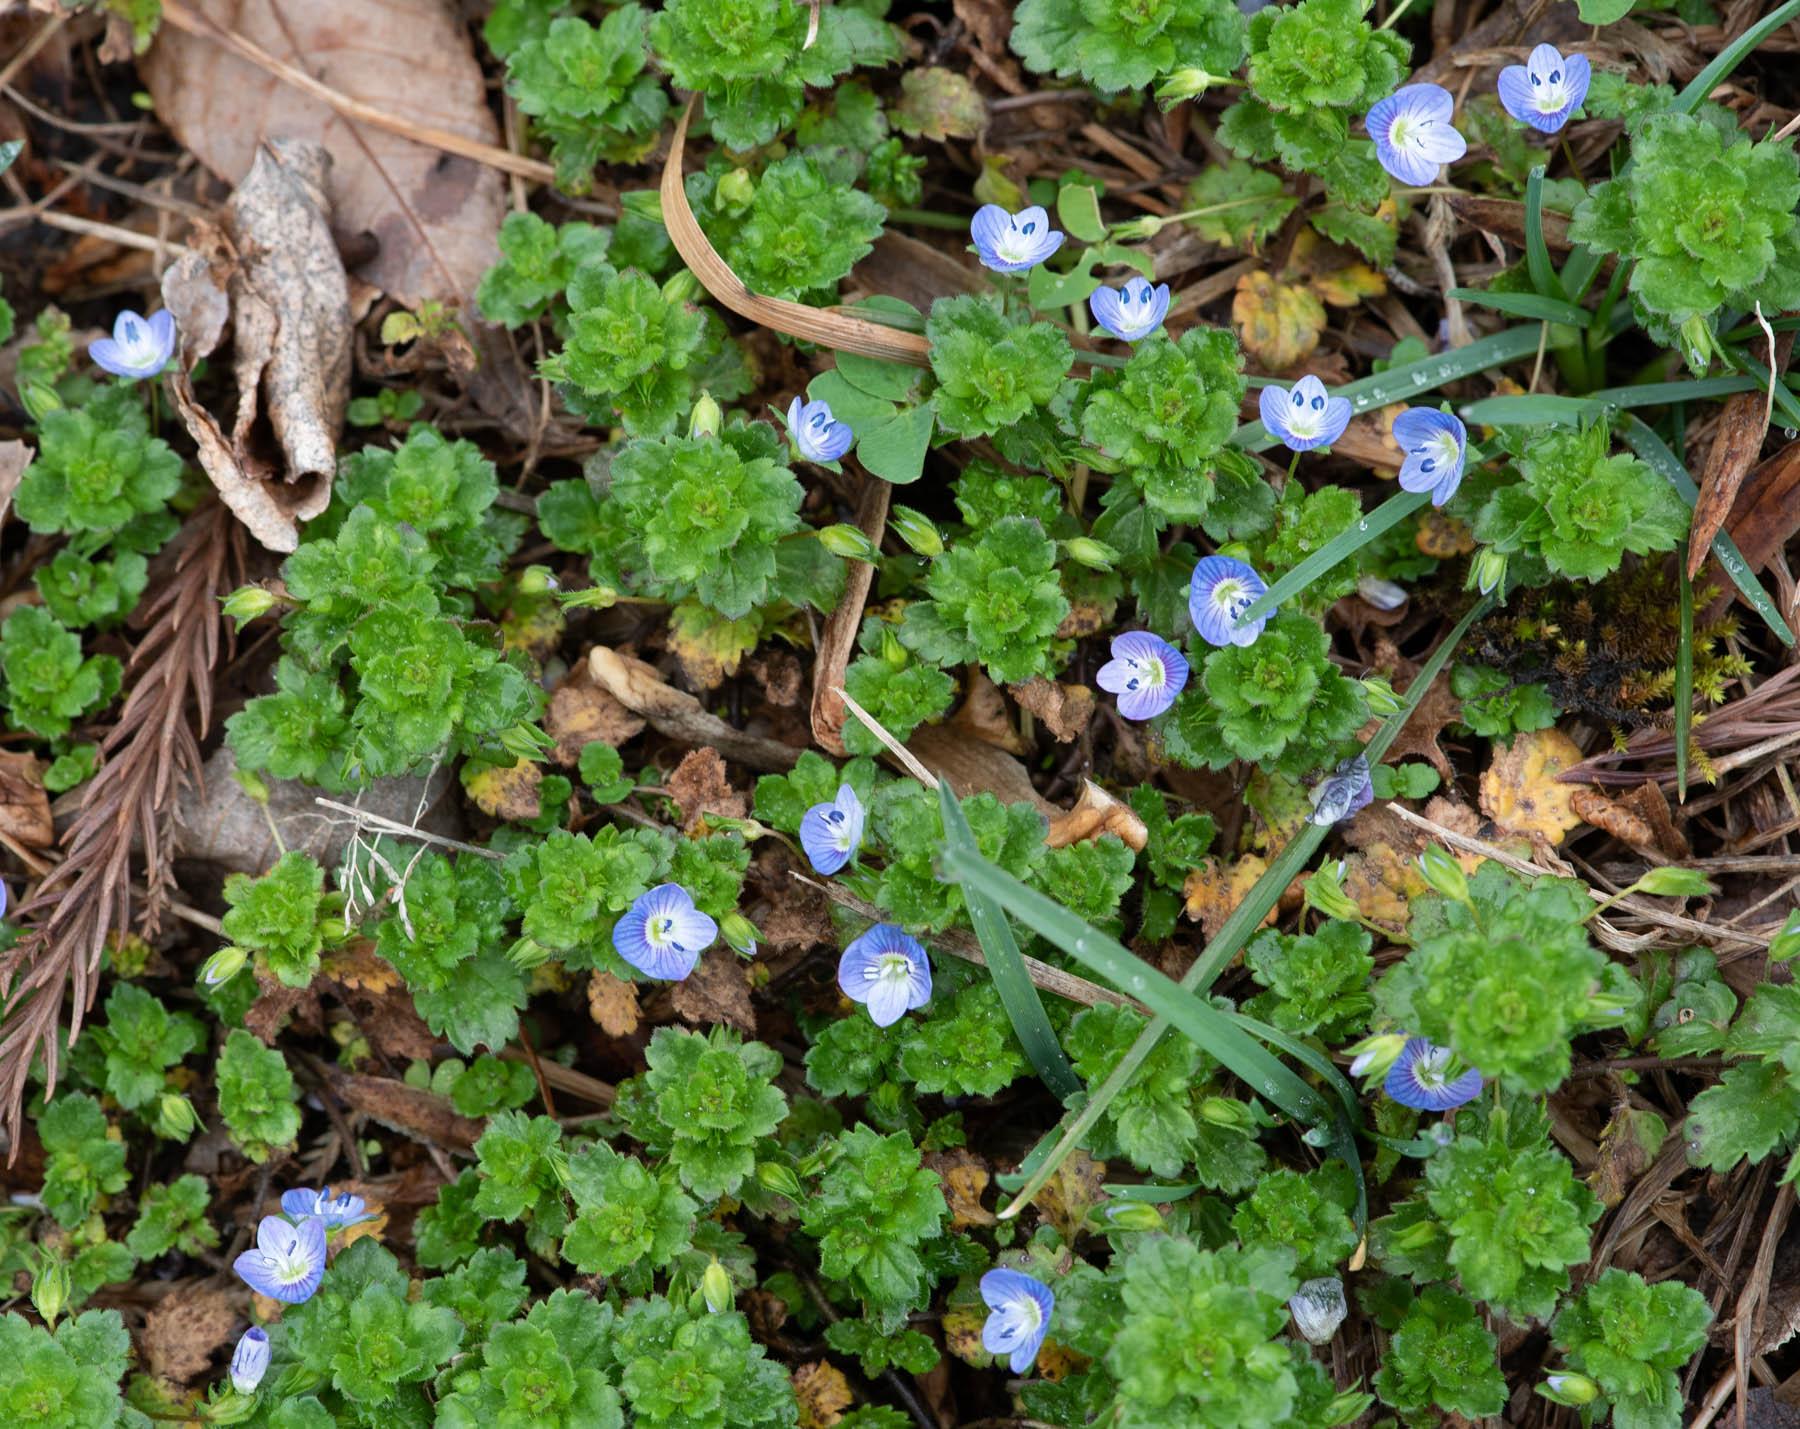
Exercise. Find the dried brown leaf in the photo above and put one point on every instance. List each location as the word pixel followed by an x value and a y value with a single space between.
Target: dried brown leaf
pixel 1064 709
pixel 24 805
pixel 1736 443
pixel 715 991
pixel 1214 890
pixel 15 457
pixel 1071 1193
pixel 983 715
pixel 679 715
pixel 1520 792
pixel 1640 818
pixel 837 640
pixel 582 713
pixel 185 1329
pixel 700 786
pixel 405 1109
pixel 506 791
pixel 1097 813
pixel 965 1180
pixel 822 1392
pixel 613 1004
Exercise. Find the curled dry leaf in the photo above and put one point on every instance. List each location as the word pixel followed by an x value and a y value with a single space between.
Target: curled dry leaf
pixel 1640 818
pixel 679 715
pixel 1742 426
pixel 699 786
pixel 1064 709
pixel 24 804
pixel 965 1179
pixel 983 715
pixel 581 713
pixel 837 641
pixel 14 458
pixel 1097 813
pixel 273 268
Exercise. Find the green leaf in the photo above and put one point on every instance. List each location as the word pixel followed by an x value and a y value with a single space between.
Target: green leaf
pixel 1525 305
pixel 1050 289
pixel 1537 252
pixel 1602 12
pixel 894 447
pixel 1340 547
pixel 1078 210
pixel 1729 58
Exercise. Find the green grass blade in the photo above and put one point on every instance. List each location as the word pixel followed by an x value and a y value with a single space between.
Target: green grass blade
pixel 1346 543
pixel 1526 305
pixel 1684 678
pixel 1756 372
pixel 1031 1024
pixel 1531 411
pixel 1653 450
pixel 1537 252
pixel 1579 272
pixel 1731 56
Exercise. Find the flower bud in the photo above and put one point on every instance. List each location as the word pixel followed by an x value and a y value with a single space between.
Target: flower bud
pixel 255 787
pixel 1574 1390
pixel 706 418
pixel 1373 1056
pixel 250 1360
pixel 223 965
pixel 1381 696
pixel 247 602
pixel 537 580
pixel 1095 555
pixel 1134 230
pixel 736 191
pixel 40 400
pixel 849 542
pixel 1440 870
pixel 1667 881
pixel 1227 1112
pixel 643 203
pixel 915 528
pixel 781 1180
pixel 1318 1308
pixel 739 933
pixel 1415 1237
pixel 1786 943
pixel 1126 1216
pixel 680 287
pixel 527 954
pixel 230 1408
pixel 176 1119
pixel 50 1287
pixel 715 1288
pixel 1187 83
pixel 1697 344
pixel 596 597
pixel 1324 893
pixel 1487 571
pixel 892 651
pixel 1383 595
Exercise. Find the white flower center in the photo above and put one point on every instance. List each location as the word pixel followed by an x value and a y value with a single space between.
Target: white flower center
pixel 659 932
pixel 1432 1070
pixel 1016 245
pixel 1438 450
pixel 1304 422
pixel 1024 1316
pixel 289 1268
pixel 891 968
pixel 1230 596
pixel 1147 672
pixel 840 830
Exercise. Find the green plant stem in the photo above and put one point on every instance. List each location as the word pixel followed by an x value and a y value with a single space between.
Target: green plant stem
pixel 929 218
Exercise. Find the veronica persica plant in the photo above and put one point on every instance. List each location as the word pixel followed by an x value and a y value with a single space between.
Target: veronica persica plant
pixel 342 1209
pixel 287 1261
pixel 1436 446
pixel 663 934
pixel 886 969
pixel 1430 1077
pixel 250 1360
pixel 139 346
pixel 1019 1307
pixel 1413 134
pixel 831 833
pixel 818 436
pixel 1145 672
pixel 1304 416
pixel 1545 90
pixel 1221 590
pixel 1013 242
pixel 1132 311
pixel 1343 792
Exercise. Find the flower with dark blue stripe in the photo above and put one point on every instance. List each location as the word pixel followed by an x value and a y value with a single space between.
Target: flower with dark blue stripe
pixel 1545 90
pixel 1131 311
pixel 139 346
pixel 1413 134
pixel 817 434
pixel 1305 415
pixel 1343 792
pixel 1436 446
pixel 1221 590
pixel 342 1209
pixel 250 1360
pixel 887 971
pixel 1145 672
pixel 1431 1078
pixel 832 833
pixel 287 1261
pixel 663 934
pixel 1019 1308
pixel 1013 242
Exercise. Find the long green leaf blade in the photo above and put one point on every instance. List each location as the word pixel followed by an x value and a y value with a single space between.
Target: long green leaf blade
pixel 1525 305
pixel 1018 995
pixel 1341 546
pixel 1537 252
pixel 1530 411
pixel 1731 56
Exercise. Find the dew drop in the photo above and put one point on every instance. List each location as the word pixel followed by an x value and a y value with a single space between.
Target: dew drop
pixel 1362 525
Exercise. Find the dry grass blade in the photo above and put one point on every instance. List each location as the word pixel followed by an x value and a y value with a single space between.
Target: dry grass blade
pixel 149 754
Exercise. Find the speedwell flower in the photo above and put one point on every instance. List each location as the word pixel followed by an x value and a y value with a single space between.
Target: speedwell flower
pixel 1013 242
pixel 1021 1306
pixel 1545 90
pixel 819 435
pixel 1145 672
pixel 342 1209
pixel 250 1360
pixel 1304 416
pixel 1222 590
pixel 1431 1078
pixel 886 968
pixel 663 933
pixel 831 833
pixel 288 1260
pixel 1131 311
pixel 1413 134
pixel 1436 445
pixel 1342 792
pixel 138 347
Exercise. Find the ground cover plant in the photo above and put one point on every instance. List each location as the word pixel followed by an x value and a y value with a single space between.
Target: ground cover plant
pixel 731 713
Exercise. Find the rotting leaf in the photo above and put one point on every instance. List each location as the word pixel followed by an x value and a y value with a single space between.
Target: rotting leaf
pixel 1214 890
pixel 965 1179
pixel 710 647
pixel 715 991
pixel 581 713
pixel 613 1004
pixel 822 1393
pixel 700 786
pixel 1071 1193
pixel 939 104
pixel 505 791
pixel 185 1328
pixel 1520 792
pixel 1064 709
pixel 24 804
pixel 1278 323
pixel 1640 818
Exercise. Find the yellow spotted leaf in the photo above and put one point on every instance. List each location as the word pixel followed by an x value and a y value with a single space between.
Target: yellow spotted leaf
pixel 505 791
pixel 709 646
pixel 1519 791
pixel 1056 1362
pixel 1443 536
pixel 537 630
pixel 822 1393
pixel 1278 323
pixel 962 1333
pixel 1071 1193
pixel 1380 880
pixel 1215 889
pixel 1332 272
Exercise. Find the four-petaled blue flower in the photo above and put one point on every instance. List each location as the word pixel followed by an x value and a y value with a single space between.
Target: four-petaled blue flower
pixel 1342 792
pixel 1413 134
pixel 342 1209
pixel 1431 1078
pixel 1222 590
pixel 663 933
pixel 887 970
pixel 819 436
pixel 288 1259
pixel 831 833
pixel 1013 242
pixel 1545 90
pixel 1021 1306
pixel 1130 312
pixel 138 347
pixel 250 1360
pixel 1436 445
pixel 1305 415
pixel 1145 672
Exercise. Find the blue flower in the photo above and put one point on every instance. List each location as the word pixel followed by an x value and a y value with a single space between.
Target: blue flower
pixel 1342 792
pixel 138 347
pixel 886 968
pixel 1412 132
pixel 1013 242
pixel 1145 672
pixel 663 933
pixel 1304 416
pixel 1223 589
pixel 832 833
pixel 1436 445
pixel 3 897
pixel 1021 1306
pixel 250 1360
pixel 288 1260
pixel 342 1209
pixel 820 436
pixel 1545 90
pixel 1426 1077
pixel 1132 311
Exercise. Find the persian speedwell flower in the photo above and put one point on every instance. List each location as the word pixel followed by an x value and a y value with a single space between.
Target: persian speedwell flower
pixel 1020 1309
pixel 138 347
pixel 831 833
pixel 819 435
pixel 1545 90
pixel 1413 134
pixel 250 1360
pixel 1342 792
pixel 1431 1078
pixel 663 933
pixel 288 1259
pixel 1304 416
pixel 1145 672
pixel 1436 445
pixel 1222 590
pixel 886 968
pixel 342 1209
pixel 1013 242
pixel 1130 312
